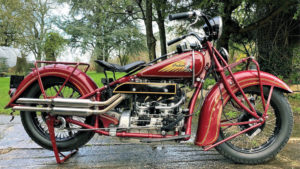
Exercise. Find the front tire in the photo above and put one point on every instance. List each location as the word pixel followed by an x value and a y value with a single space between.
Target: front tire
pixel 35 122
pixel 272 137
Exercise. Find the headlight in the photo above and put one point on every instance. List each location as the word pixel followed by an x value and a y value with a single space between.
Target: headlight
pixel 217 27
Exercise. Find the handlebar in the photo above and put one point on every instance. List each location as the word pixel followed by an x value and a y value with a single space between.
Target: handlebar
pixel 186 15
pixel 182 15
pixel 171 42
pixel 201 39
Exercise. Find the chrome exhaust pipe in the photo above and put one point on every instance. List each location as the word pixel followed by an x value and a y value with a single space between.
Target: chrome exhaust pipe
pixel 67 102
pixel 72 111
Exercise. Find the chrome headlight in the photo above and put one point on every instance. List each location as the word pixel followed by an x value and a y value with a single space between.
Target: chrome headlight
pixel 217 27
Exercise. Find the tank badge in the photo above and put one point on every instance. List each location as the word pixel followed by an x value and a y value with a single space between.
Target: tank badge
pixel 179 66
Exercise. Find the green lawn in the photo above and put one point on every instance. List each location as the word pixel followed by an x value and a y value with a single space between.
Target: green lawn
pixel 98 76
pixel 4 87
pixel 4 97
pixel 294 100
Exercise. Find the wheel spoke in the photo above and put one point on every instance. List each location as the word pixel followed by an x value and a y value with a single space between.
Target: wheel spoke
pixel 59 94
pixel 244 142
pixel 71 96
pixel 60 134
pixel 268 121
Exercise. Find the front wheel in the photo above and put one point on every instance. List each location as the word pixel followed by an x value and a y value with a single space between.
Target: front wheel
pixel 262 143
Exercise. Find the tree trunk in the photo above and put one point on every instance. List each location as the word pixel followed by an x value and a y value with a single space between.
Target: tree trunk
pixel 151 41
pixel 99 52
pixel 160 8
pixel 229 25
pixel 39 55
pixel 50 57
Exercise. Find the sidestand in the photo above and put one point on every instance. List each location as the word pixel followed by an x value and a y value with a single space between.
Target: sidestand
pixel 50 123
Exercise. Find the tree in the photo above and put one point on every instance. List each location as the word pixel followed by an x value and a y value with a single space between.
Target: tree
pixel 101 27
pixel 160 7
pixel 242 22
pixel 54 44
pixel 129 44
pixel 275 43
pixel 36 28
pixel 3 65
pixel 13 17
pixel 24 24
pixel 147 17
pixel 21 65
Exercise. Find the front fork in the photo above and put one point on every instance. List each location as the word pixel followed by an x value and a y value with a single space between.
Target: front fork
pixel 221 70
pixel 259 120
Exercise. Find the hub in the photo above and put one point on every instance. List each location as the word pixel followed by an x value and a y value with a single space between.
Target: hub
pixel 247 117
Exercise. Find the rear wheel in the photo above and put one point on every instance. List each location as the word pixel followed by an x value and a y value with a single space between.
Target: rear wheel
pixel 35 122
pixel 262 143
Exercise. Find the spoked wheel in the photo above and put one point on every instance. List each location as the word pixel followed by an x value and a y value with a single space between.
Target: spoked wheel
pixel 35 122
pixel 264 142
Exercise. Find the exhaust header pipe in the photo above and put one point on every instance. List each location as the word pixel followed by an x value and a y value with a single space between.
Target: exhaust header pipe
pixel 76 107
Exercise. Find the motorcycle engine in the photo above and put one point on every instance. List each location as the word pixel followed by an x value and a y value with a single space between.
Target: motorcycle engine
pixel 156 113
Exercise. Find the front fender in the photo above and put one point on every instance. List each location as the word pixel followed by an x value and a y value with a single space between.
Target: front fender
pixel 84 83
pixel 210 116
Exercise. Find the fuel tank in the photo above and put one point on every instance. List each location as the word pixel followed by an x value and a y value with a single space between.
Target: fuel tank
pixel 178 66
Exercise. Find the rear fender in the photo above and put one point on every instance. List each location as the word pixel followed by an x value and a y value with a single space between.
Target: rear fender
pixel 210 116
pixel 84 83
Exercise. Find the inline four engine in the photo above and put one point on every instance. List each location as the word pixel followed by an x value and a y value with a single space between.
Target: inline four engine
pixel 156 107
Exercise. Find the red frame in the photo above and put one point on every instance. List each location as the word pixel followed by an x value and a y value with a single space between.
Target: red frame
pixel 91 91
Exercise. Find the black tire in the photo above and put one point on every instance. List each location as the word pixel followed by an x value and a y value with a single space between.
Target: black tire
pixel 265 145
pixel 36 128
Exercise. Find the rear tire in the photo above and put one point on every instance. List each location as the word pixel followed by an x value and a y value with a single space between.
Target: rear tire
pixel 265 145
pixel 35 124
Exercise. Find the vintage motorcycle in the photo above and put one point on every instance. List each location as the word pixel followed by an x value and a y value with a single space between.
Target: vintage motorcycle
pixel 245 115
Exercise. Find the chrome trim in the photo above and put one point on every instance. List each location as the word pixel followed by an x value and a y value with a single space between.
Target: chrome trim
pixel 125 119
pixel 73 111
pixel 67 102
pixel 171 107
pixel 193 69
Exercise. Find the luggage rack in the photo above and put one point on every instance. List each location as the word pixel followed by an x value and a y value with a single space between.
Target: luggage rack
pixel 76 64
pixel 65 63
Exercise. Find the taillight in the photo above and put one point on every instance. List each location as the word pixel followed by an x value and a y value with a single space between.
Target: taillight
pixel 12 91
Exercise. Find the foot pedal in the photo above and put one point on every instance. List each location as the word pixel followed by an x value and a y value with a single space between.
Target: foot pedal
pixel 149 140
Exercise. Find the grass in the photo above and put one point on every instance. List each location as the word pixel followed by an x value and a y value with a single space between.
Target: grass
pixel 4 97
pixel 294 100
pixel 98 76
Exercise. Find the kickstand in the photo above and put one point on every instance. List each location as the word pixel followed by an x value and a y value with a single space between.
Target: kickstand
pixel 50 123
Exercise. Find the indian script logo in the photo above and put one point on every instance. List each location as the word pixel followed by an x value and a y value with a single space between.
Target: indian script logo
pixel 179 66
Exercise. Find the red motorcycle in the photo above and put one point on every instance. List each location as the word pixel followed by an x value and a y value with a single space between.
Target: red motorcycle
pixel 245 116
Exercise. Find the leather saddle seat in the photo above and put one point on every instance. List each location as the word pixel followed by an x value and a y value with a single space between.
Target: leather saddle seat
pixel 118 68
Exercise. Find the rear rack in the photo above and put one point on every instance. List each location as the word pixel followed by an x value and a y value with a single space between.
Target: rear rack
pixel 76 64
pixel 65 63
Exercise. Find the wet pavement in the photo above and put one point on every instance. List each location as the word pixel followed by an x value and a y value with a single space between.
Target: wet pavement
pixel 17 150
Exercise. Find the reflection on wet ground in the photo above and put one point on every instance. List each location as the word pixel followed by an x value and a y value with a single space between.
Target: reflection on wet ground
pixel 18 151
